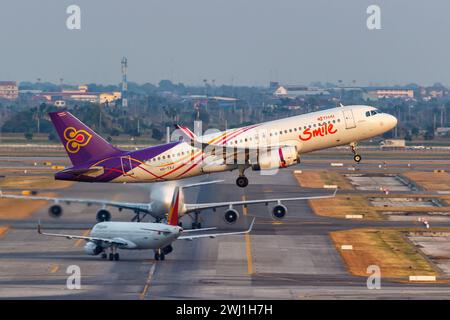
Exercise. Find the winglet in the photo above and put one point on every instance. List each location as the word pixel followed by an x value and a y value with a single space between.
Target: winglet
pixel 251 226
pixel 39 227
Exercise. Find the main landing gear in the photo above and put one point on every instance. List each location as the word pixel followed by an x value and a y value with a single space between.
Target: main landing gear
pixel 356 156
pixel 137 216
pixel 242 180
pixel 159 255
pixel 112 256
pixel 196 224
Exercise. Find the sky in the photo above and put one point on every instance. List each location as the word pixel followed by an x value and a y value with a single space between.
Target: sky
pixel 240 42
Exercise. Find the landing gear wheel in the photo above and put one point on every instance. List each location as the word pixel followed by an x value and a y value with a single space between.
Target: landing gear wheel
pixel 156 256
pixel 111 257
pixel 357 158
pixel 116 257
pixel 104 255
pixel 162 256
pixel 242 181
pixel 196 225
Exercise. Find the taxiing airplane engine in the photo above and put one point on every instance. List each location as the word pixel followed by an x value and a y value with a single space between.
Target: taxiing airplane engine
pixel 231 216
pixel 279 211
pixel 55 211
pixel 277 158
pixel 103 215
pixel 92 249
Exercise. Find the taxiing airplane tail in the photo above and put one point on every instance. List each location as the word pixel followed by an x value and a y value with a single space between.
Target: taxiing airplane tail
pixel 175 206
pixel 82 144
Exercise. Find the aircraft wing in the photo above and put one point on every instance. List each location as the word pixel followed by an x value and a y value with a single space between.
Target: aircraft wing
pixel 93 239
pixel 142 207
pixel 214 235
pixel 204 206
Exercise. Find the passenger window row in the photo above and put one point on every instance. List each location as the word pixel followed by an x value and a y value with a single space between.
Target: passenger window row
pixel 286 131
pixel 182 153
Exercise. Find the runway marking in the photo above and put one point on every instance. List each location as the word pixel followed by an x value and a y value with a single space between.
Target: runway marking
pixel 80 241
pixel 55 268
pixel 248 244
pixel 147 282
pixel 4 230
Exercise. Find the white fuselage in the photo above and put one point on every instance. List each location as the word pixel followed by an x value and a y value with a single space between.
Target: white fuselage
pixel 140 235
pixel 308 132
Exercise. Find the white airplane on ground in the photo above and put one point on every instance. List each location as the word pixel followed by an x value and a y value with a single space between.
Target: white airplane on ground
pixel 158 208
pixel 140 236
pixel 265 146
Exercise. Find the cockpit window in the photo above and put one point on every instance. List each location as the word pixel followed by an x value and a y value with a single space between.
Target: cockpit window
pixel 368 114
pixel 373 112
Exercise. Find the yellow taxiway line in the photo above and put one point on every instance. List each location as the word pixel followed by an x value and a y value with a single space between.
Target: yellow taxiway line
pixel 80 241
pixel 55 268
pixel 248 243
pixel 147 282
pixel 4 230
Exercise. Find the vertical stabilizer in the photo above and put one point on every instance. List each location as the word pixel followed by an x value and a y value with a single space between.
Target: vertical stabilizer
pixel 82 144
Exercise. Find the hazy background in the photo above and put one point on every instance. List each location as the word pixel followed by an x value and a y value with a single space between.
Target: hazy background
pixel 233 41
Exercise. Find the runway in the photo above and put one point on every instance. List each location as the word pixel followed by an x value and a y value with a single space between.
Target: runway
pixel 291 259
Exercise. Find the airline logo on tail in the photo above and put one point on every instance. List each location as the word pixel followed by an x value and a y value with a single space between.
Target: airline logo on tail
pixel 75 139
pixel 172 219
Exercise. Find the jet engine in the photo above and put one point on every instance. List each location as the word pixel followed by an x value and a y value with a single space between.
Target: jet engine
pixel 103 215
pixel 55 211
pixel 279 211
pixel 231 216
pixel 277 158
pixel 92 249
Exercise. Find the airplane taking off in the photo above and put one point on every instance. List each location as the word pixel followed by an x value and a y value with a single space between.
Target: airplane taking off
pixel 265 146
pixel 158 208
pixel 140 236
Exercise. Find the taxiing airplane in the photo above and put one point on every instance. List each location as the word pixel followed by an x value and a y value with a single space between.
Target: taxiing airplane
pixel 270 145
pixel 140 236
pixel 158 208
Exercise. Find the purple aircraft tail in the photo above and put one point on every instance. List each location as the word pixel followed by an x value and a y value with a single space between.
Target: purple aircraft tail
pixel 81 143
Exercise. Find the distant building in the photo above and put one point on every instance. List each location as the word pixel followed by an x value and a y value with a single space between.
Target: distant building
pixel 380 93
pixel 9 90
pixel 442 131
pixel 298 91
pixel 60 103
pixel 82 94
pixel 428 93
pixel 393 144
pixel 273 85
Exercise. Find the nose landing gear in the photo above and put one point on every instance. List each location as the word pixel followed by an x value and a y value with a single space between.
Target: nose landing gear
pixel 356 156
pixel 242 180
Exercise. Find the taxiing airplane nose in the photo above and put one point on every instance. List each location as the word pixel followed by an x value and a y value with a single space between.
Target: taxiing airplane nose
pixel 392 121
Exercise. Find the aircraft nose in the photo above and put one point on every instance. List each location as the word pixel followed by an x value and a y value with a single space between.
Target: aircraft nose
pixel 392 121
